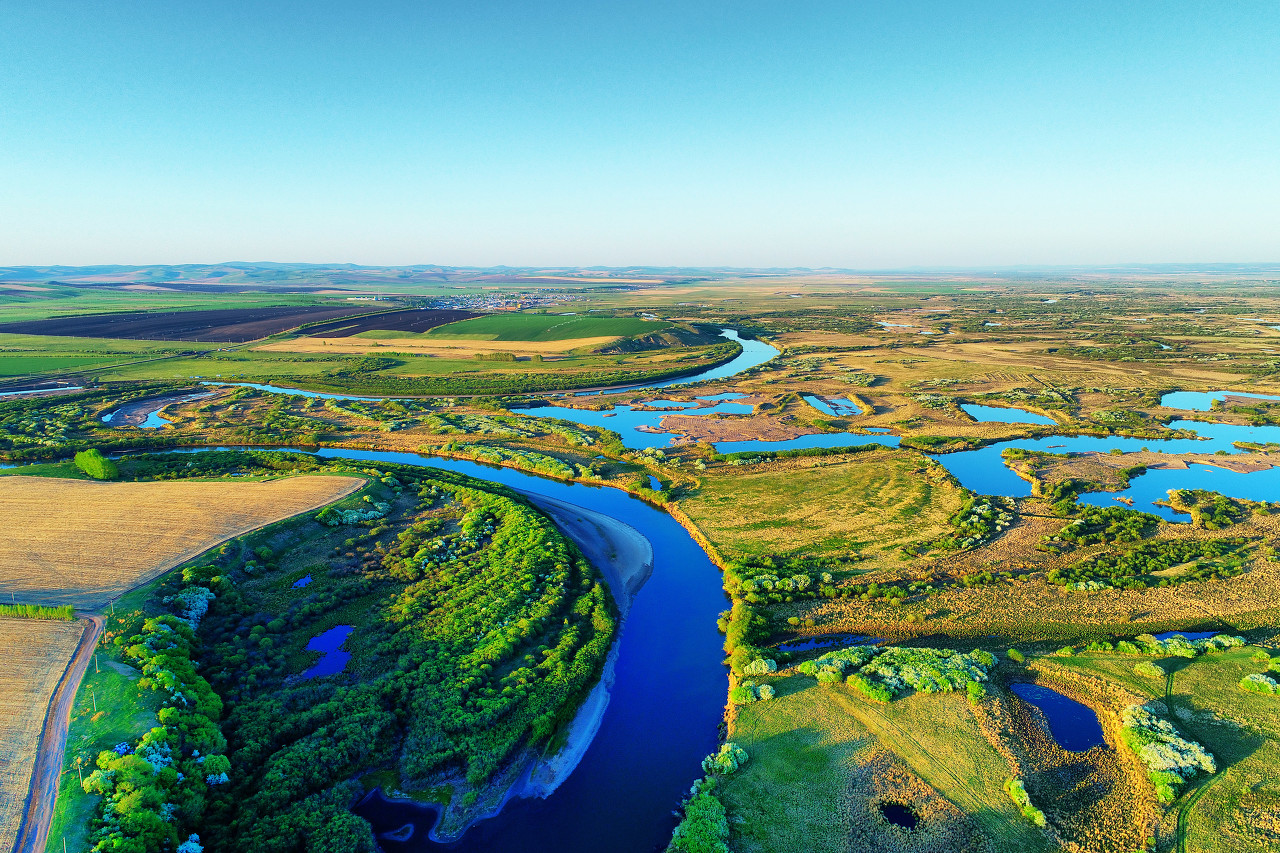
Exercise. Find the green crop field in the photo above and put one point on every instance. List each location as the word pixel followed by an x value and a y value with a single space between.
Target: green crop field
pixel 544 327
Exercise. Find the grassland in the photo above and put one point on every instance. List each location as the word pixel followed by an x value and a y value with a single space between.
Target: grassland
pixel 84 543
pixel 1235 809
pixel 36 654
pixel 823 758
pixel 868 505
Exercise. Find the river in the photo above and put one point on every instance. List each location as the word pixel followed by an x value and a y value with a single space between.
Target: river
pixel 666 703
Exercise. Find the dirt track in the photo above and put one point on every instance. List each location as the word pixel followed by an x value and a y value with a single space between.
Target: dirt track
pixel 38 813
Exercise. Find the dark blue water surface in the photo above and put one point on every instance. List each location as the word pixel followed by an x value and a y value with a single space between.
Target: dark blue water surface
pixel 1189 635
pixel 627 421
pixel 332 658
pixel 666 705
pixel 301 582
pixel 1074 726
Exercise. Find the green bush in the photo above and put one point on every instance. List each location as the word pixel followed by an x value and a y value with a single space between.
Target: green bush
pixel 705 825
pixel 97 466
pixel 1016 656
pixel 38 611
pixel 1147 669
pixel 1017 792
pixel 725 761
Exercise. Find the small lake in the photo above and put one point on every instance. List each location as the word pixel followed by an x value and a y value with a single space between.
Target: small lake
pixel 835 406
pixel 1074 726
pixel 1202 401
pixel 1004 415
pixel 333 659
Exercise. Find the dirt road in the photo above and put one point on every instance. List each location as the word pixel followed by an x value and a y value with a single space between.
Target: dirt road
pixel 38 814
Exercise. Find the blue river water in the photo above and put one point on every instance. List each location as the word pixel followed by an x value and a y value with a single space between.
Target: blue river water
pixel 1074 726
pixel 834 406
pixel 1005 415
pixel 663 715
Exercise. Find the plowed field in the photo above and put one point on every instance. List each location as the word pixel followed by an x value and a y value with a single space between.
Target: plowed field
pixel 233 325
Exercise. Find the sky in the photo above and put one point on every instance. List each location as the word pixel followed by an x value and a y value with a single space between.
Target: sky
pixel 853 134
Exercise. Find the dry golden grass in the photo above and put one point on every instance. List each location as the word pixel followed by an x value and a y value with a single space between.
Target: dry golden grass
pixel 36 653
pixel 432 346
pixel 84 543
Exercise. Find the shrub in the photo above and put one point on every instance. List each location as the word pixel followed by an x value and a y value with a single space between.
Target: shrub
pixel 1170 758
pixel 1017 792
pixel 1258 682
pixel 97 466
pixel 1016 656
pixel 728 759
pixel 760 666
pixel 705 825
pixel 1147 669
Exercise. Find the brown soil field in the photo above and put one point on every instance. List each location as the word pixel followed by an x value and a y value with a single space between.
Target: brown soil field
pixel 85 543
pixel 36 654
pixel 408 320
pixel 429 346
pixel 232 324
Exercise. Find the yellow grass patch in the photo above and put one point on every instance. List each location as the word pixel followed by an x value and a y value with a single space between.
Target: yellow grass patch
pixel 445 348
pixel 36 653
pixel 83 543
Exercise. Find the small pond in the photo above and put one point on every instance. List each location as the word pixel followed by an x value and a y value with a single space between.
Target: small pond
pixel 301 582
pixel 1202 401
pixel 822 642
pixel 333 659
pixel 835 406
pixel 1074 726
pixel 1005 415
pixel 899 815
pixel 1189 635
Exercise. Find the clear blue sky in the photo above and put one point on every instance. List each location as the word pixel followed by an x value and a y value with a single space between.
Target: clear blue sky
pixel 854 134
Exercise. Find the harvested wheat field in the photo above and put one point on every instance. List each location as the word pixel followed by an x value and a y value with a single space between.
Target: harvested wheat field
pixel 84 543
pixel 36 653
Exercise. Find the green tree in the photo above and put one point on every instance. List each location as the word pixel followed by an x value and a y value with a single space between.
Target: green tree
pixel 97 466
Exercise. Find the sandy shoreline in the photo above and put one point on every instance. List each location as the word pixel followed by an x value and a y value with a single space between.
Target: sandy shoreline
pixel 625 558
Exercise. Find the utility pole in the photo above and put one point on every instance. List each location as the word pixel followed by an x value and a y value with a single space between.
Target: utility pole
pixel 94 696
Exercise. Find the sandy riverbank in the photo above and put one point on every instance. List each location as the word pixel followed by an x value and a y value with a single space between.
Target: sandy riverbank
pixel 625 557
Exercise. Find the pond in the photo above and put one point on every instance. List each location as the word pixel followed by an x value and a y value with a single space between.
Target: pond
pixel 899 815
pixel 1189 635
pixel 665 705
pixel 1004 415
pixel 333 659
pixel 1073 725
pixel 822 642
pixel 835 406
pixel 301 582
pixel 1202 401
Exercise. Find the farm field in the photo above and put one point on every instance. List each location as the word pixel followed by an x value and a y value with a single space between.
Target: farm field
pixel 48 558
pixel 545 327
pixel 36 654
pixel 407 322
pixel 221 325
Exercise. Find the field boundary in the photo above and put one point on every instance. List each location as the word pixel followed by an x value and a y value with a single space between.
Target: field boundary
pixel 37 813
